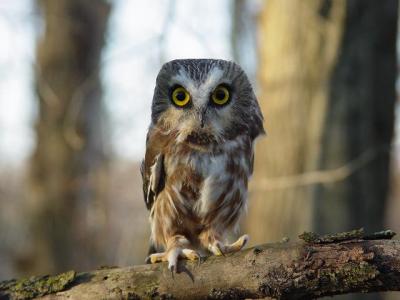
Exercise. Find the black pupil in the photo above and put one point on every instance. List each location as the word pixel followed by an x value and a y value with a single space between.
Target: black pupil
pixel 220 94
pixel 180 96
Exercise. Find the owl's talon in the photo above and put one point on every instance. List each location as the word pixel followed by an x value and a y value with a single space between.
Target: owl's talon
pixel 239 244
pixel 216 248
pixel 172 257
pixel 155 258
pixel 172 268
pixel 190 254
pixel 201 260
pixel 219 249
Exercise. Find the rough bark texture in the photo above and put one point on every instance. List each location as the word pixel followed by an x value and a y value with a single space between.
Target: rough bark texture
pixel 320 266
pixel 68 166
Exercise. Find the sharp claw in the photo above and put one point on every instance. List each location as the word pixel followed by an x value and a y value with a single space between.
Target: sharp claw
pixel 245 240
pixel 219 249
pixel 201 260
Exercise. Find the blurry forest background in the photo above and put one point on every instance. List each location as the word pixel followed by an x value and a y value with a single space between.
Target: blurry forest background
pixel 75 93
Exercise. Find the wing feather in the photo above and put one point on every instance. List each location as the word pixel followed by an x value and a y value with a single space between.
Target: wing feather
pixel 152 168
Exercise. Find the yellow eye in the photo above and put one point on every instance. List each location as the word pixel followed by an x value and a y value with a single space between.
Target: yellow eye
pixel 220 95
pixel 180 96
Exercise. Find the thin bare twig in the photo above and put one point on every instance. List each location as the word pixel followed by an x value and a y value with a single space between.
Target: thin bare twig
pixel 320 176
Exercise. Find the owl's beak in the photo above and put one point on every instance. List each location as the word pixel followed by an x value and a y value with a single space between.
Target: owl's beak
pixel 202 116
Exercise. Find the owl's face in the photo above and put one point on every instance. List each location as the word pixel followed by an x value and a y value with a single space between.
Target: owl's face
pixel 205 100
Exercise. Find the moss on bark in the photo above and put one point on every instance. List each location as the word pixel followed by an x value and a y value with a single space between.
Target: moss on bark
pixel 28 288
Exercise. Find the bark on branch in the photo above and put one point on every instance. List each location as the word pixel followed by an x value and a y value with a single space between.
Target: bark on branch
pixel 318 266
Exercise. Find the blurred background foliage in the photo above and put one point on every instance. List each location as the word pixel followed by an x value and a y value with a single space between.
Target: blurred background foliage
pixel 75 91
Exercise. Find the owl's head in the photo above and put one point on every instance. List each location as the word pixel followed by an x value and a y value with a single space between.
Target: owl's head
pixel 209 98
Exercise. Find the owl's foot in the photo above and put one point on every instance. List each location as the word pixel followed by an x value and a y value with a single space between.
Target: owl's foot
pixel 218 248
pixel 172 257
pixel 155 258
pixel 239 244
pixel 175 253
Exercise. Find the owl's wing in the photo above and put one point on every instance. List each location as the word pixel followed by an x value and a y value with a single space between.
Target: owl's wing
pixel 153 179
pixel 152 170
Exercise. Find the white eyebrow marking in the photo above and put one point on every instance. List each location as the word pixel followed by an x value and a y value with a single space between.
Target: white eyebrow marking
pixel 213 78
pixel 183 79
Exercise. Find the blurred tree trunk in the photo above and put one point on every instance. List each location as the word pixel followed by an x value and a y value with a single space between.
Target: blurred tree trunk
pixel 298 46
pixel 360 118
pixel 68 168
pixel 327 73
pixel 244 36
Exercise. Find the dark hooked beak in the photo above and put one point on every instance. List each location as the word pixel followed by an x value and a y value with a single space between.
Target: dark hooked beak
pixel 202 116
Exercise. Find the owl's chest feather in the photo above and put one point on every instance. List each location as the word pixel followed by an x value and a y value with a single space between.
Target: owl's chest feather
pixel 207 182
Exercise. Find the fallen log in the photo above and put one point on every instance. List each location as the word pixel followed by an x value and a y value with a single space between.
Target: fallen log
pixel 315 267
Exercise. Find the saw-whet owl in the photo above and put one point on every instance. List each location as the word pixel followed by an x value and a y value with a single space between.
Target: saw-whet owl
pixel 199 157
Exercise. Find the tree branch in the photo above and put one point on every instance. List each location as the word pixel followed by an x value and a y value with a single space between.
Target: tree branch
pixel 318 266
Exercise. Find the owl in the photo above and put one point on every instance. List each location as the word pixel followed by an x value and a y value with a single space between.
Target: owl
pixel 199 157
